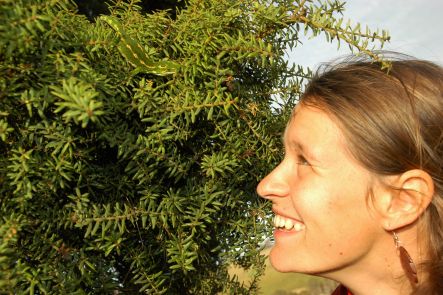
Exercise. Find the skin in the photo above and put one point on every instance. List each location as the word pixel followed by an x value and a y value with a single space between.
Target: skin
pixel 322 187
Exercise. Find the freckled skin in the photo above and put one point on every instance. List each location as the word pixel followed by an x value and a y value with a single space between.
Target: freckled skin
pixel 327 193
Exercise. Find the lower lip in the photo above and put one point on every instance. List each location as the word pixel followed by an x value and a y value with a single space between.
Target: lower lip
pixel 284 233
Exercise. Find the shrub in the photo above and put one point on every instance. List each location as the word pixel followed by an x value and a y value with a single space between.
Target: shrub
pixel 130 146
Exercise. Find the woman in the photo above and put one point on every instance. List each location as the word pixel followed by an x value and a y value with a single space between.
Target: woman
pixel 358 197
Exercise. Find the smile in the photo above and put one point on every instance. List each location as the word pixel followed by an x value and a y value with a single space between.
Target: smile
pixel 281 222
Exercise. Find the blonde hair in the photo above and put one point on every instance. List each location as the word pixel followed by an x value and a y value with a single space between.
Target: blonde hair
pixel 393 122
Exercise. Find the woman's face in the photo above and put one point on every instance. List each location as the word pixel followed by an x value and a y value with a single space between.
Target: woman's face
pixel 323 220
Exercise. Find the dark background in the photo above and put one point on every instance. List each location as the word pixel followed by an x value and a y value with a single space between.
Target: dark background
pixel 94 8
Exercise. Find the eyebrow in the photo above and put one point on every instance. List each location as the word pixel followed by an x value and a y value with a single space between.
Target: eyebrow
pixel 297 145
pixel 301 147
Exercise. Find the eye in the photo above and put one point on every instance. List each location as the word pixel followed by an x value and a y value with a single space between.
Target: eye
pixel 301 160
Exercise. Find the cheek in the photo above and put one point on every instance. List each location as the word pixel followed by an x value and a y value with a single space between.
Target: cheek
pixel 334 201
pixel 310 196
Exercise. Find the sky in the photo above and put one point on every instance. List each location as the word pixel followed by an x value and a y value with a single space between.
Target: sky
pixel 415 27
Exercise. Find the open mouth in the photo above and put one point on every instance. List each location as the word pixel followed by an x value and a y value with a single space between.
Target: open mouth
pixel 284 223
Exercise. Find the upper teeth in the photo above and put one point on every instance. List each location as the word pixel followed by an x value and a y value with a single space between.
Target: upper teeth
pixel 283 222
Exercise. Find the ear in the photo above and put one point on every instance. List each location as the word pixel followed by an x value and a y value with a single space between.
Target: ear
pixel 406 198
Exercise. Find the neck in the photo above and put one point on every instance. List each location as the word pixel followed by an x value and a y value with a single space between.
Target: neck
pixel 380 271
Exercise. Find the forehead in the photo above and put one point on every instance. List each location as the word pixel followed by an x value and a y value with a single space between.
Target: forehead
pixel 314 129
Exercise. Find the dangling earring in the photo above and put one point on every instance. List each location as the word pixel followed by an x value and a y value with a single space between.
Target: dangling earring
pixel 406 261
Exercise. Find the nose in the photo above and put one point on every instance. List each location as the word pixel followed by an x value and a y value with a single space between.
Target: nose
pixel 275 184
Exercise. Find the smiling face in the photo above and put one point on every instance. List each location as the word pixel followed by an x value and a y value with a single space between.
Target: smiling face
pixel 324 223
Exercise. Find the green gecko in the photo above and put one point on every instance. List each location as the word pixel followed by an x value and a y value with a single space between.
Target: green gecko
pixel 137 55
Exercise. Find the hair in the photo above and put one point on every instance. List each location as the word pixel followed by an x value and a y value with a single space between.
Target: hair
pixel 393 122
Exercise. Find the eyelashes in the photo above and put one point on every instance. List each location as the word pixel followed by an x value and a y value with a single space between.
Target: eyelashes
pixel 301 160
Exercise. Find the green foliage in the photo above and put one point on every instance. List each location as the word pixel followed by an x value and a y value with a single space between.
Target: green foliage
pixel 130 147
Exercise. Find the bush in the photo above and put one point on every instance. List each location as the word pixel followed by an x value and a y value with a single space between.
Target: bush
pixel 131 145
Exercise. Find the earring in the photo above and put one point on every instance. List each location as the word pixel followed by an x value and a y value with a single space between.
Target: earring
pixel 406 261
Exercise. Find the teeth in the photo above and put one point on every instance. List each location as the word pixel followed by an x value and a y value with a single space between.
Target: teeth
pixel 286 223
pixel 298 227
pixel 282 222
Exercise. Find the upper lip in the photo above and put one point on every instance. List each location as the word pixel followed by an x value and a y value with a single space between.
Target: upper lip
pixel 278 212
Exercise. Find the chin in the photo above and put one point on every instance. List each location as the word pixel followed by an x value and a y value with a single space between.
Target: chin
pixel 280 262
